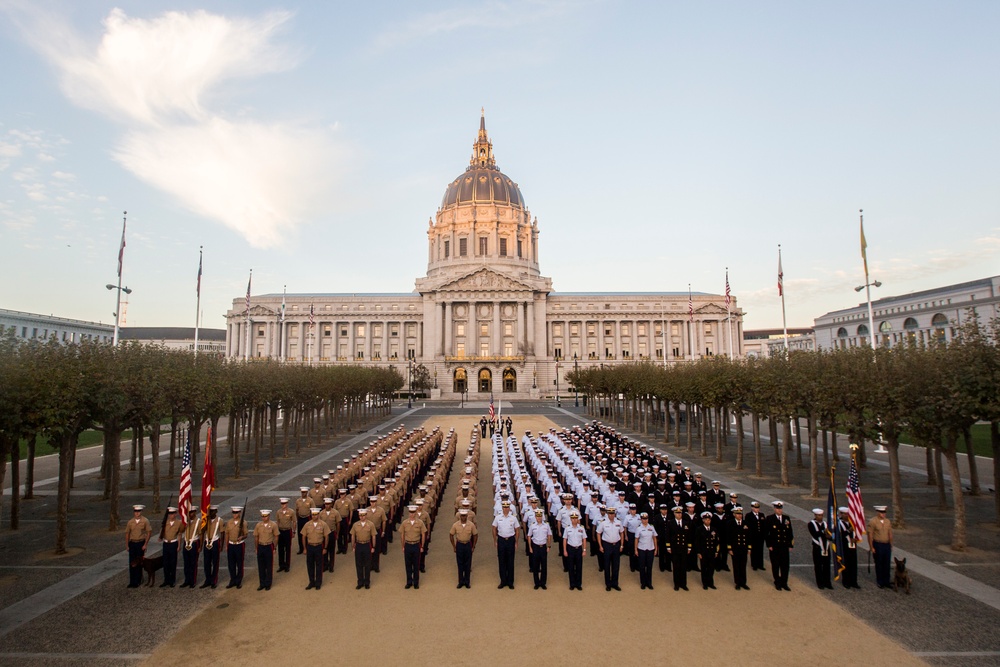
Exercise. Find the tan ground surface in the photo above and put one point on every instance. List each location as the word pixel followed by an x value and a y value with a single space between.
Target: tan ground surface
pixel 441 625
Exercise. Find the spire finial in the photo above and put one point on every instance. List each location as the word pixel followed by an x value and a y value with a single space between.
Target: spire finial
pixel 482 150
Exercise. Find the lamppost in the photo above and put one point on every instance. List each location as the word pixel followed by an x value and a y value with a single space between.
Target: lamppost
pixel 118 308
pixel 871 316
pixel 409 383
pixel 576 391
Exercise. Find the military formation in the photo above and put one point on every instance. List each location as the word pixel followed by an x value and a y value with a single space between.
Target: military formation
pixel 587 492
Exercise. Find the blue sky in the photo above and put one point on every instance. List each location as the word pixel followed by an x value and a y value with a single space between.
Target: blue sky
pixel 657 143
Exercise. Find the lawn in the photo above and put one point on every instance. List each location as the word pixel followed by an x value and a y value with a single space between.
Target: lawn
pixel 980 440
pixel 94 438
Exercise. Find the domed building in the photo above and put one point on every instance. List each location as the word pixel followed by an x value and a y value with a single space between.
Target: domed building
pixel 483 320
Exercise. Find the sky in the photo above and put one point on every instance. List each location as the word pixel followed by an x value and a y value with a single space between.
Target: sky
pixel 658 144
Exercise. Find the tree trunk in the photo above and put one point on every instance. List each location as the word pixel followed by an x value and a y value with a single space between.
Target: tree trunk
pixel 7 441
pixel 131 462
pixel 255 424
pixel 772 432
pixel 114 456
pixel 173 449
pixel 66 443
pixel 787 436
pixel 798 443
pixel 15 481
pixel 154 450
pixel 758 450
pixel 718 435
pixel 833 444
pixel 140 455
pixel 285 423
pixel 931 473
pixel 296 416
pixel 687 419
pixel 740 437
pixel 826 451
pixel 995 443
pixel 29 468
pixel 939 468
pixel 236 452
pixel 958 536
pixel 895 479
pixel 273 431
pixel 813 457
pixel 677 423
pixel 973 468
pixel 704 424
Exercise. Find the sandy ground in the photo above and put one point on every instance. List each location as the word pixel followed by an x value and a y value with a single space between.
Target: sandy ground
pixel 439 624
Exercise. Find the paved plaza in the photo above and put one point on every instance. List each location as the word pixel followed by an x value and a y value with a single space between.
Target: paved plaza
pixel 75 609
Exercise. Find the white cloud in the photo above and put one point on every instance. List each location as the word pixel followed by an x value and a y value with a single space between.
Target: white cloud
pixel 63 176
pixel 160 78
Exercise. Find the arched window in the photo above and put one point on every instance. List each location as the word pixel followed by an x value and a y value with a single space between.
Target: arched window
pixel 939 321
pixel 841 332
pixel 885 327
pixel 910 324
pixel 862 329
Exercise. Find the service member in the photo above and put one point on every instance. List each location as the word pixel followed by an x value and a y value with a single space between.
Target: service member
pixel 611 535
pixel 738 545
pixel 285 517
pixel 315 534
pixel 363 534
pixel 505 536
pixel 191 547
pixel 137 534
pixel 574 550
pixel 463 535
pixel 821 549
pixel 706 541
pixel 265 536
pixel 756 521
pixel 678 546
pixel 646 549
pixel 880 543
pixel 235 533
pixel 211 538
pixel 302 513
pixel 848 549
pixel 780 540
pixel 170 535
pixel 413 532
pixel 539 536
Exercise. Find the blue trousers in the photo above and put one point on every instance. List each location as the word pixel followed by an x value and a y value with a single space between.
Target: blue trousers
pixel 211 561
pixel 234 559
pixel 191 564
pixel 135 563
pixel 883 563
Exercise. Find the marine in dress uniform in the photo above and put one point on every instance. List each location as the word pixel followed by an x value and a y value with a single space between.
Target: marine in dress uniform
pixel 706 541
pixel 574 549
pixel 611 534
pixel 755 519
pixel 265 536
pixel 137 534
pixel 659 521
pixel 190 547
pixel 363 537
pixel 211 539
pixel 505 535
pixel 848 549
pixel 880 543
pixel 679 546
pixel 170 535
pixel 821 550
pixel 286 519
pixel 780 540
pixel 315 534
pixel 378 517
pixel 302 514
pixel 331 517
pixel 413 531
pixel 719 523
pixel 539 536
pixel 235 535
pixel 463 535
pixel 738 544
pixel 346 508
pixel 646 549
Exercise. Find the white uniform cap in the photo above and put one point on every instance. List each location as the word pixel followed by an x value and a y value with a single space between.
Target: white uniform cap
pixel 283 500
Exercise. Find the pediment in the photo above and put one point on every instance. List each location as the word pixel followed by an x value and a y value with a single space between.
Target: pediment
pixel 710 309
pixel 262 311
pixel 485 280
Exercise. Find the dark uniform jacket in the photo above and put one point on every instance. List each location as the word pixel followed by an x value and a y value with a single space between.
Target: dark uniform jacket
pixel 778 532
pixel 706 541
pixel 738 536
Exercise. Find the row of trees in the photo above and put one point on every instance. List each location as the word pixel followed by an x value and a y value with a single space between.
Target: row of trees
pixel 933 394
pixel 57 391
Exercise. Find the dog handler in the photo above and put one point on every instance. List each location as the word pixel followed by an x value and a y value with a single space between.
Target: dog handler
pixel 880 543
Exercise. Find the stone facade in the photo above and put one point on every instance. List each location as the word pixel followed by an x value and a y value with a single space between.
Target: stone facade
pixel 484 319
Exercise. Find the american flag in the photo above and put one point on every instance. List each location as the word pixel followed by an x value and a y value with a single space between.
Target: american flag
pixel 492 412
pixel 781 276
pixel 198 289
pixel 207 476
pixel 312 319
pixel 690 305
pixel 121 248
pixel 729 295
pixel 184 498
pixel 248 293
pixel 855 507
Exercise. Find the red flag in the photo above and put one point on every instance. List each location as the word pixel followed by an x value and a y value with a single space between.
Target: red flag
pixel 207 476
pixel 184 497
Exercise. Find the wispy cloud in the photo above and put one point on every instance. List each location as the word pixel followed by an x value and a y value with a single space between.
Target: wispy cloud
pixel 159 78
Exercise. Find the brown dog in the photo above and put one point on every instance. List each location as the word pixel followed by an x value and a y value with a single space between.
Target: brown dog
pixel 902 578
pixel 150 564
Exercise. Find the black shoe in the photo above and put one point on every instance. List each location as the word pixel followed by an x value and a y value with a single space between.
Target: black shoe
pixel 649 586
pixel 607 588
pixel 677 588
pixel 319 586
pixel 260 588
pixel 239 586
pixel 684 587
pixel 712 586
pixel 544 588
pixel 511 587
pixel 501 586
pixel 536 587
pixel 408 586
pixel 739 587
pixel 745 587
pixel 214 586
pixel 373 570
pixel 704 588
pixel 459 586
pixel 616 588
pixel 137 586
pixel 164 585
pixel 785 587
pixel 367 586
pixel 267 588
pixel 358 587
pixel 642 587
pixel 777 587
pixel 230 585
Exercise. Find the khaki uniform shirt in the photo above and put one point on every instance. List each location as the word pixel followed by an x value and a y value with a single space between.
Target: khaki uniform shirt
pixel 463 532
pixel 316 495
pixel 412 531
pixel 472 516
pixel 363 531
pixel 315 532
pixel 172 530
pixel 302 507
pixel 880 530
pixel 265 534
pixel 235 531
pixel 377 516
pixel 212 529
pixel 192 533
pixel 331 518
pixel 138 530
pixel 344 506
pixel 425 517
pixel 285 518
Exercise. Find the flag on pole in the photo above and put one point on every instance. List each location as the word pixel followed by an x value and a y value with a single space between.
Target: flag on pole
pixel 184 497
pixel 781 277
pixel 248 293
pixel 282 305
pixel 492 412
pixel 198 288
pixel 833 529
pixel 207 476
pixel 690 304
pixel 855 507
pixel 864 244
pixel 121 248
pixel 312 319
pixel 729 295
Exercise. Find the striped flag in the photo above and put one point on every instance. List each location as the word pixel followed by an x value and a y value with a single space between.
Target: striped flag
pixel 833 529
pixel 248 293
pixel 207 476
pixel 855 507
pixel 198 288
pixel 729 295
pixel 282 305
pixel 184 497
pixel 312 319
pixel 492 412
pixel 781 276
pixel 690 304
pixel 121 248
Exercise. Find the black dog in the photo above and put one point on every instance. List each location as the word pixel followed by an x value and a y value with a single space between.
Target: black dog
pixel 902 578
pixel 150 564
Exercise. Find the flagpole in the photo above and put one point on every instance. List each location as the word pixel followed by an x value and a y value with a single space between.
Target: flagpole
pixel 868 285
pixel 690 326
pixel 729 316
pixel 197 310
pixel 246 343
pixel 121 269
pixel 663 329
pixel 281 326
pixel 781 290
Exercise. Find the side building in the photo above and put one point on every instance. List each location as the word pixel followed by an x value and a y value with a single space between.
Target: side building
pixel 210 341
pixel 29 326
pixel 483 319
pixel 918 317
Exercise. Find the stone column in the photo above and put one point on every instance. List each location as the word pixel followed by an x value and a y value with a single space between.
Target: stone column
pixel 529 334
pixel 539 306
pixel 369 343
pixel 449 327
pixel 519 328
pixel 618 339
pixel 495 344
pixel 351 352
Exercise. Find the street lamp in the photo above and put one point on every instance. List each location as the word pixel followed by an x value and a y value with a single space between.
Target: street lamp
pixel 871 316
pixel 576 391
pixel 118 307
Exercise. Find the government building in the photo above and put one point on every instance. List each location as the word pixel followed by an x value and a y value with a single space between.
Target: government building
pixel 484 320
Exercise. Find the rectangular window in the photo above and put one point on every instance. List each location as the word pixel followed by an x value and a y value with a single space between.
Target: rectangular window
pixel 626 330
pixel 460 328
pixel 484 245
pixel 327 330
pixel 343 351
pixel 557 329
pixel 393 330
pixel 558 353
pixel 460 349
pixel 447 249
pixel 642 329
pixel 463 247
pixel 360 352
pixel 484 329
pixel 484 349
pixel 260 331
pixel 677 351
pixel 377 330
pixel 343 331
pixel 607 330
pixel 359 330
pixel 508 329
pixel 519 248
pixel 508 349
pixel 591 329
pixel 708 328
pixel 411 329
pixel 675 329
pixel 503 247
pixel 574 330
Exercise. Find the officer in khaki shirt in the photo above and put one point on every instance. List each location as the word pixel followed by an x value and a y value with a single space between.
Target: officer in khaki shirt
pixel 316 494
pixel 331 517
pixel 285 518
pixel 345 506
pixel 413 531
pixel 363 534
pixel 137 534
pixel 880 543
pixel 265 536
pixel 234 537
pixel 377 516
pixel 315 534
pixel 463 535
pixel 302 507
pixel 170 536
pixel 426 518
